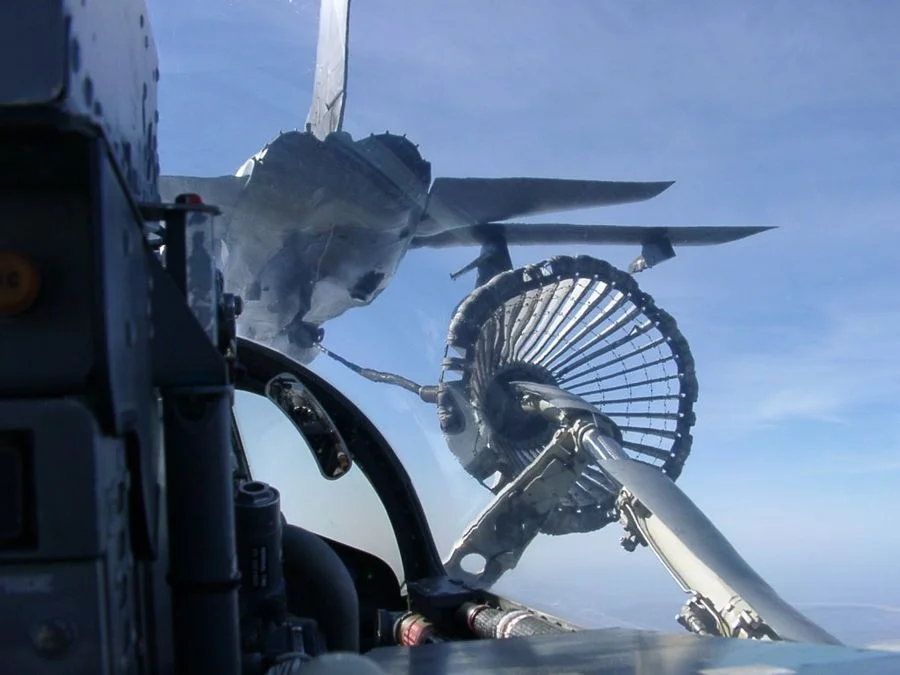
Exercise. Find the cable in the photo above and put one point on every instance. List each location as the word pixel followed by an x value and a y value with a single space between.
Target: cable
pixel 426 393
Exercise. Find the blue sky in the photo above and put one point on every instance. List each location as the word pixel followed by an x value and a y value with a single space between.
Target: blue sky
pixel 773 113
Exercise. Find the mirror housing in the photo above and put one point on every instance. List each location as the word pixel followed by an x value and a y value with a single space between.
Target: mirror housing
pixel 311 421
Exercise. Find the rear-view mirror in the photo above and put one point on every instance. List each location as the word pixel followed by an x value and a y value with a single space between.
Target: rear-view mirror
pixel 309 418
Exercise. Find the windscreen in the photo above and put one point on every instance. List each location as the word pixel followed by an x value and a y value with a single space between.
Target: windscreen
pixel 461 196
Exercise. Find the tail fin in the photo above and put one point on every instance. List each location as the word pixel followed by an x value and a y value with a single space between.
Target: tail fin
pixel 330 86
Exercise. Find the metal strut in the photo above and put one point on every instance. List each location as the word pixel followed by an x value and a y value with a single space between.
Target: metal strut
pixel 727 597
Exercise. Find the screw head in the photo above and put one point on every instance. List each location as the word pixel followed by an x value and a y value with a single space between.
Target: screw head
pixel 52 637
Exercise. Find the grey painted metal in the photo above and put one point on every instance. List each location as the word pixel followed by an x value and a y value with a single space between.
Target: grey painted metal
pixel 499 535
pixel 67 46
pixel 69 593
pixel 628 652
pixel 700 557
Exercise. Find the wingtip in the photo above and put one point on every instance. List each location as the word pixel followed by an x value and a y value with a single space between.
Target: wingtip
pixel 633 192
pixel 759 229
pixel 750 231
pixel 656 188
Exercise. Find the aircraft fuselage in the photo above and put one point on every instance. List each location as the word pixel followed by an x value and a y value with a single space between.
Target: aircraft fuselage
pixel 320 228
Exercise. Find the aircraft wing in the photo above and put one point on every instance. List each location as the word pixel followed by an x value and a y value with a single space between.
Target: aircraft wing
pixel 456 202
pixel 330 85
pixel 657 243
pixel 221 191
pixel 524 234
